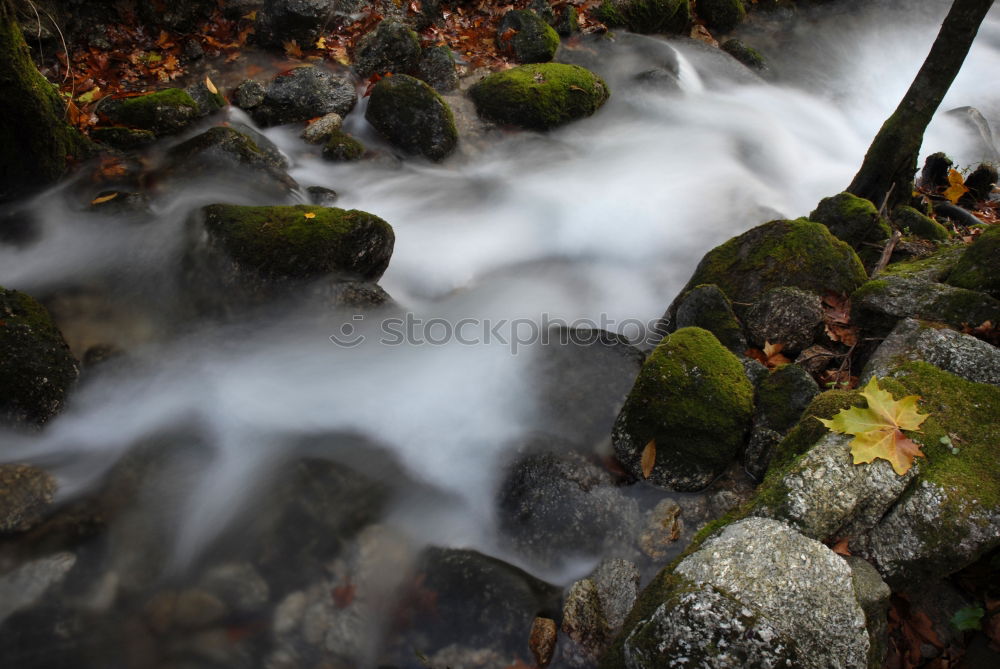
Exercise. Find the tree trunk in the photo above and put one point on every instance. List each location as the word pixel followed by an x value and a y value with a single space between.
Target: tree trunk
pixel 36 142
pixel 891 160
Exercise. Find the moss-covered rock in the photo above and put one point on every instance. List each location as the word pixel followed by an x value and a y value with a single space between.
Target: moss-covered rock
pixel 853 219
pixel 979 266
pixel 36 367
pixel 934 267
pixel 800 253
pixel 745 54
pixel 120 137
pixel 878 305
pixel 786 316
pixel 391 47
pixel 437 68
pixel 708 308
pixel 721 15
pixel 918 224
pixel 301 241
pixel 162 112
pixel 412 116
pixel 693 399
pixel 539 96
pixel 646 16
pixel 341 147
pixel 781 399
pixel 524 35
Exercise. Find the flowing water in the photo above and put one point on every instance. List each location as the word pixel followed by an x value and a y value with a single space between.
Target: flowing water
pixel 597 224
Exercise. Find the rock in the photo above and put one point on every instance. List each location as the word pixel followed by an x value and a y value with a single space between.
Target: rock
pixel 437 68
pixel 341 147
pixel 320 130
pixel 226 154
pixel 663 527
pixel 873 595
pixel 354 295
pixel 540 96
pixel 555 508
pixel 238 586
pixel 567 21
pixel 934 174
pixel 412 116
pixel 301 21
pixel 26 497
pixel 391 47
pixel 272 154
pixel 925 227
pixel 322 196
pixel 302 93
pixel 180 15
pixel 36 367
pixel 980 183
pixel 249 94
pixel 284 242
pixel 815 359
pixel 979 267
pixel 954 352
pixel 26 584
pixel 125 139
pixel 755 594
pixel 646 16
pixel 786 316
pixel 800 254
pixel 782 397
pixel 162 112
pixel 934 267
pixel 878 305
pixel 851 219
pixel 708 307
pixel 134 206
pixel 721 15
pixel 745 54
pixel 542 641
pixel 208 101
pixel 188 609
pixel 693 399
pixel 525 36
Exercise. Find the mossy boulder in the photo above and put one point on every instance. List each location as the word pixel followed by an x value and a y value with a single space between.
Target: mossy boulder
pixel 918 224
pixel 745 54
pixel 853 219
pixel 413 116
pixel 787 316
pixel 301 241
pixel 879 304
pixel 694 401
pixel 800 253
pixel 934 267
pixel 280 21
pixel 36 367
pixel 646 16
pixel 979 266
pixel 437 68
pixel 721 15
pixel 529 39
pixel 391 47
pixel 341 147
pixel 162 112
pixel 781 399
pixel 708 307
pixel 125 139
pixel 539 96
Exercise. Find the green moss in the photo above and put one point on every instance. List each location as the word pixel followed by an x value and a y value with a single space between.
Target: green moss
pixel 932 268
pixel 925 227
pixel 413 116
pixel 721 15
pixel 342 147
pixel 693 398
pixel 745 54
pixel 808 430
pixel 534 40
pixel 302 240
pixel 783 396
pixel 707 307
pixel 123 138
pixel 539 96
pixel 646 16
pixel 163 112
pixel 979 266
pixel 852 219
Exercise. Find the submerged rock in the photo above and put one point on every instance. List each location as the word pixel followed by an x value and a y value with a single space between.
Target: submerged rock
pixel 302 93
pixel 540 96
pixel 694 401
pixel 411 115
pixel 524 35
pixel 646 16
pixel 979 267
pixel 745 54
pixel 341 147
pixel 36 367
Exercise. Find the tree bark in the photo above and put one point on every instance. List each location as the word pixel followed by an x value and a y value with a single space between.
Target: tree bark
pixel 36 142
pixel 891 160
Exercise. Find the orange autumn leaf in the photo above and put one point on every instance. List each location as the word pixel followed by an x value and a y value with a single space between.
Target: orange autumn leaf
pixel 104 198
pixel 956 187
pixel 292 49
pixel 309 214
pixel 648 459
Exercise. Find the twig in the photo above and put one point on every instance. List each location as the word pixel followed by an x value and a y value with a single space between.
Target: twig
pixel 885 201
pixel 890 246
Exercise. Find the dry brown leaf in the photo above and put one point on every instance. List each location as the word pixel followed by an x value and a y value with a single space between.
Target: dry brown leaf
pixel 104 198
pixel 292 49
pixel 841 547
pixel 211 87
pixel 648 459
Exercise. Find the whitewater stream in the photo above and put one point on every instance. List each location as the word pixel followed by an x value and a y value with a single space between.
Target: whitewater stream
pixel 595 225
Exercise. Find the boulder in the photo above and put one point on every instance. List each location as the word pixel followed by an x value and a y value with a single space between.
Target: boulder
pixel 561 507
pixel 787 316
pixel 851 219
pixel 721 15
pixel 879 304
pixel 527 37
pixel 934 173
pixel 411 115
pixel 437 68
pixel 646 16
pixel 965 356
pixel 980 183
pixel 26 496
pixel 320 130
pixel 781 399
pixel 302 93
pixel 36 367
pixel 918 224
pixel 249 94
pixel 595 609
pixel 122 138
pixel 934 267
pixel 979 267
pixel 745 54
pixel 708 307
pixel 280 21
pixel 756 594
pixel 300 241
pixel 179 15
pixel 693 400
pixel 539 96
pixel 341 147
pixel 162 112
pixel 391 47
pixel 800 254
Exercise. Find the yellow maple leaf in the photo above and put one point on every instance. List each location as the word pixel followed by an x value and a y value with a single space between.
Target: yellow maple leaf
pixel 877 428
pixel 956 186
pixel 309 214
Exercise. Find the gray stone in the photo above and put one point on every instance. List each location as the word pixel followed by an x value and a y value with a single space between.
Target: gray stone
pixel 412 116
pixel 595 610
pixel 249 94
pixel 781 398
pixel 303 93
pixel 437 68
pixel 873 595
pixel 391 47
pixel 320 130
pixel 708 307
pixel 281 21
pixel 26 495
pixel 878 305
pixel 25 585
pixel 965 356
pixel 663 527
pixel 786 316
pixel 238 585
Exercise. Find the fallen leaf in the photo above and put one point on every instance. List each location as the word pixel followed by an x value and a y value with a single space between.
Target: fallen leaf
pixel 773 354
pixel 700 33
pixel 841 547
pixel 292 49
pixel 211 87
pixel 309 214
pixel 648 458
pixel 104 198
pixel 877 428
pixel 956 186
